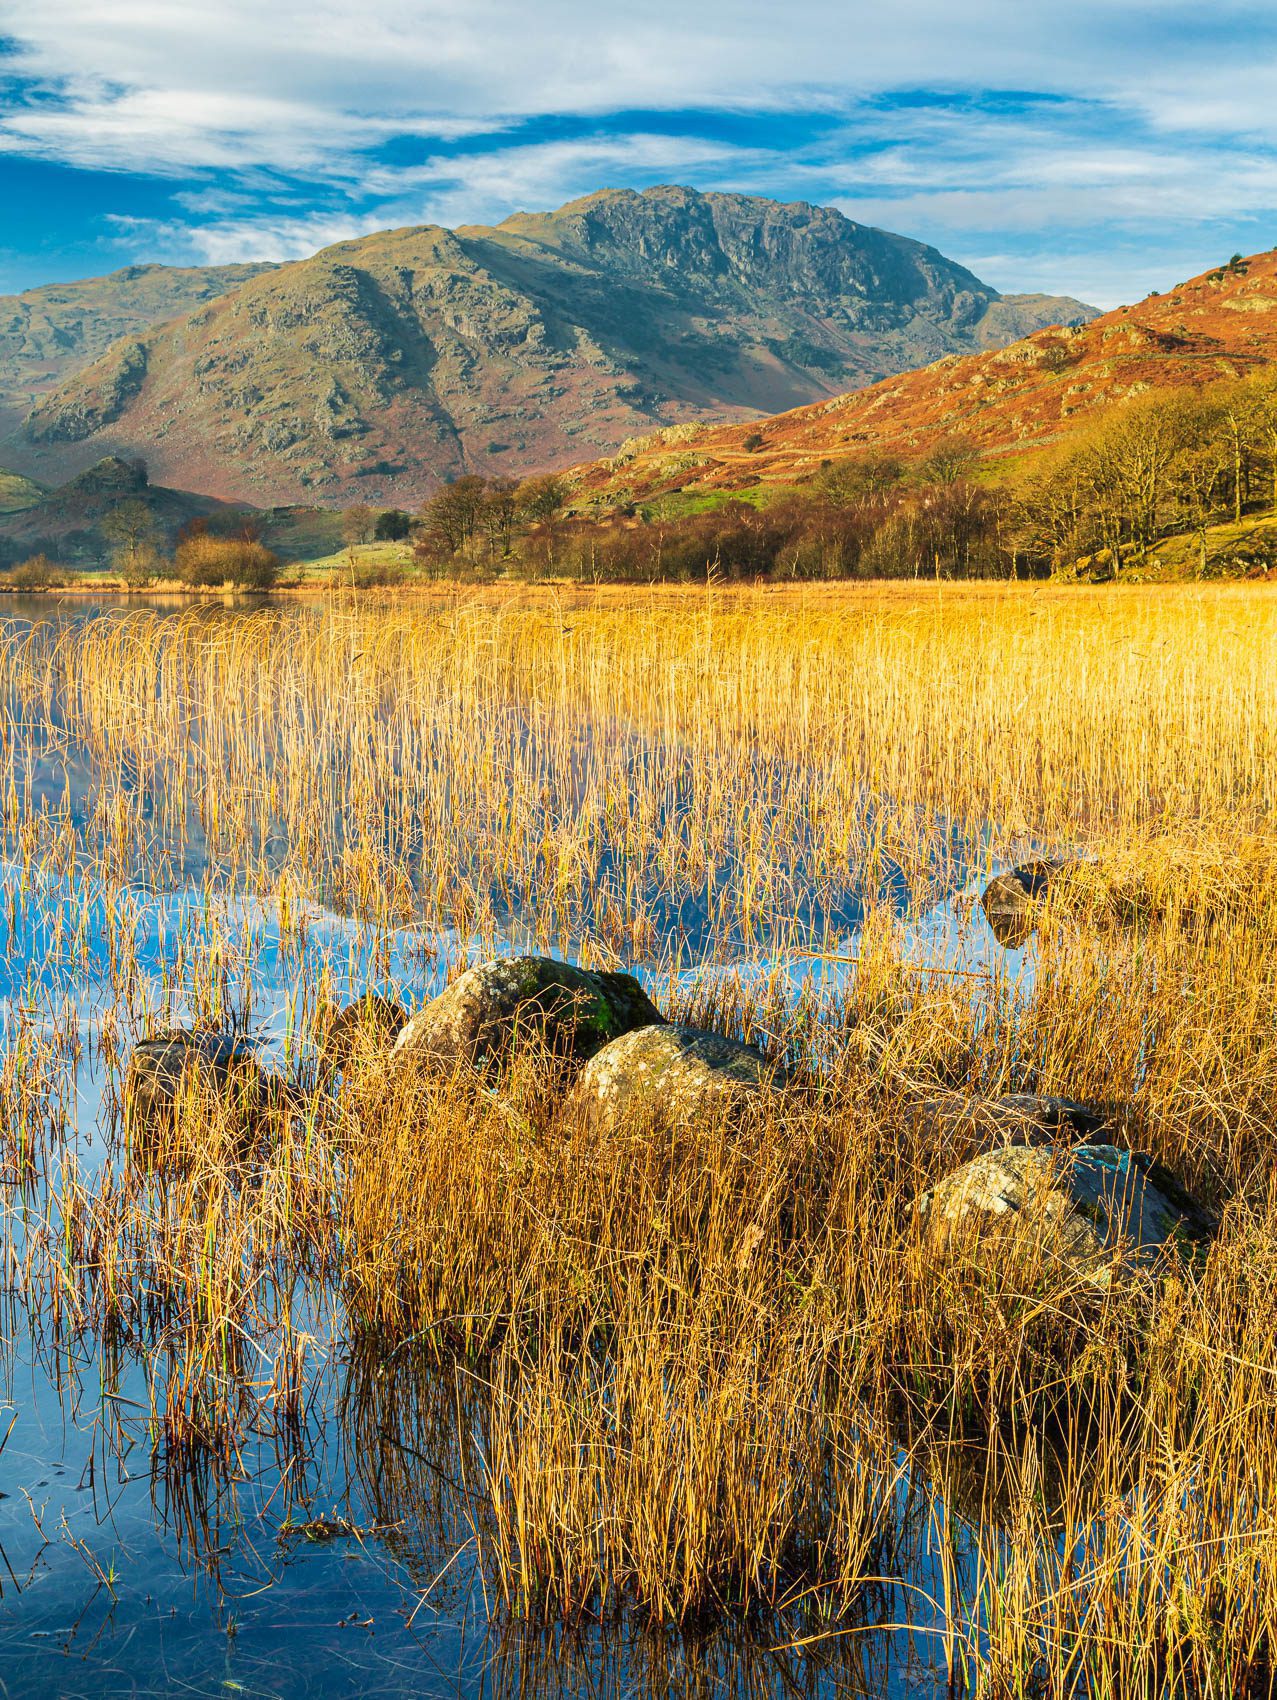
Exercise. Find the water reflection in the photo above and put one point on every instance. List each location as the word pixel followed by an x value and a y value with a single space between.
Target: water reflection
pixel 335 1543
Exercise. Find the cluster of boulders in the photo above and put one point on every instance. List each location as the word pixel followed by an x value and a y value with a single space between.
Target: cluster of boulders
pixel 629 1066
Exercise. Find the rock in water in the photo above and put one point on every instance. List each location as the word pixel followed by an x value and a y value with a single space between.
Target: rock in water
pixel 1009 900
pixel 164 1065
pixel 573 1011
pixel 669 1074
pixel 1019 1118
pixel 1090 1201
pixel 370 1019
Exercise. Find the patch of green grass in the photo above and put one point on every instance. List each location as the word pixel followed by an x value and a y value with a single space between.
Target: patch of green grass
pixel 303 534
pixel 682 504
pixel 367 556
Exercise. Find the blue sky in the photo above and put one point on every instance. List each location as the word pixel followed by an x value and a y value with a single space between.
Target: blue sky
pixel 1099 149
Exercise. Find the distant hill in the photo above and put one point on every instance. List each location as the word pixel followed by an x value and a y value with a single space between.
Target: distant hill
pixel 48 334
pixel 66 521
pixel 1035 392
pixel 384 365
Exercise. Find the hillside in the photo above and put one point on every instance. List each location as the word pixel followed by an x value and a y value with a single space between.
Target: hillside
pixel 66 521
pixel 17 492
pixel 48 334
pixel 384 365
pixel 1016 399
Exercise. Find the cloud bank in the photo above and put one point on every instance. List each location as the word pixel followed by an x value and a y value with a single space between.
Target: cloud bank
pixel 1096 150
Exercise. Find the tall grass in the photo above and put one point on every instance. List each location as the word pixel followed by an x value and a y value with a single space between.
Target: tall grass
pixel 706 1371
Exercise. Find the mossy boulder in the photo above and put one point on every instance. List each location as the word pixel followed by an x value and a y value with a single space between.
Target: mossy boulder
pixel 671 1075
pixel 370 1021
pixel 1092 1205
pixel 573 1012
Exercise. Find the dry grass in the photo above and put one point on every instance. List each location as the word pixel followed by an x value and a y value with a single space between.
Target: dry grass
pixel 704 1370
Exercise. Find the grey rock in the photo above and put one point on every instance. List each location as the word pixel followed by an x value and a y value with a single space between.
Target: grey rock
pixel 1009 901
pixel 1018 1118
pixel 672 1075
pixel 1092 1202
pixel 370 1019
pixel 165 1064
pixel 573 1011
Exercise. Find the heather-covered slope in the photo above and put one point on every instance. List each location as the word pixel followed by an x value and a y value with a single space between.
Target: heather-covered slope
pixel 386 364
pixel 1028 395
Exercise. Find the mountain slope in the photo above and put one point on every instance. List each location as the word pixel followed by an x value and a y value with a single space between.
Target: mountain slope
pixel 1028 395
pixel 383 365
pixel 48 334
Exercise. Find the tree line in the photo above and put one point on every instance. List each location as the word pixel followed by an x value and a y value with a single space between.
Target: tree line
pixel 1152 466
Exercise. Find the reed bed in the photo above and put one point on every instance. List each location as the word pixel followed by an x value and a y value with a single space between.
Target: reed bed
pixel 708 1374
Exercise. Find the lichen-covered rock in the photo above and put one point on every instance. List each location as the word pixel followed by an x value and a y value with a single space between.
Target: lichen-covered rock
pixel 166 1064
pixel 1009 901
pixel 573 1011
pixel 370 1020
pixel 672 1075
pixel 1090 1202
pixel 1019 1118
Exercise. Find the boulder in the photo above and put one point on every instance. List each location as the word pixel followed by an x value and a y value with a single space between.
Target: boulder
pixel 1090 1200
pixel 1019 1118
pixel 369 1020
pixel 1009 900
pixel 671 1075
pixel 164 1065
pixel 573 1011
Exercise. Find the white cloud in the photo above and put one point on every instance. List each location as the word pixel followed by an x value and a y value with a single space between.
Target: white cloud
pixel 201 85
pixel 1141 112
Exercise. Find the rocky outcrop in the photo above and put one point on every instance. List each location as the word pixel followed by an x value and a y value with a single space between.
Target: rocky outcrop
pixel 1097 1208
pixel 573 1012
pixel 670 1075
pixel 370 1021
pixel 383 365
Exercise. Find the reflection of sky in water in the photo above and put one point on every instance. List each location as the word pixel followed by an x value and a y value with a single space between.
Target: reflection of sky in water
pixel 211 1595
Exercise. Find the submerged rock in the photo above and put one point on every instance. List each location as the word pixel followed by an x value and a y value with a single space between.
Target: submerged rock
pixel 1009 900
pixel 573 1011
pixel 1018 1118
pixel 672 1075
pixel 344 1032
pixel 1091 1201
pixel 164 1065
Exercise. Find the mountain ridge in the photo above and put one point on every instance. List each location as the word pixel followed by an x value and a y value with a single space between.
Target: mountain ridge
pixel 387 363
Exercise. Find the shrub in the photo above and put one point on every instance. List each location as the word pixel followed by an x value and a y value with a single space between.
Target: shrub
pixel 210 562
pixel 376 575
pixel 37 572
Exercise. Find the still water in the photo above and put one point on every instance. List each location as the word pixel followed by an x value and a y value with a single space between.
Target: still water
pixel 338 1556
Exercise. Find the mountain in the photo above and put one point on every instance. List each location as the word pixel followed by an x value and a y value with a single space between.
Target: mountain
pixel 48 334
pixel 386 364
pixel 1033 393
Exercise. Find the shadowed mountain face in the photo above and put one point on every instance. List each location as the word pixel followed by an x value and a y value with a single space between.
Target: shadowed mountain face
pixel 384 365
